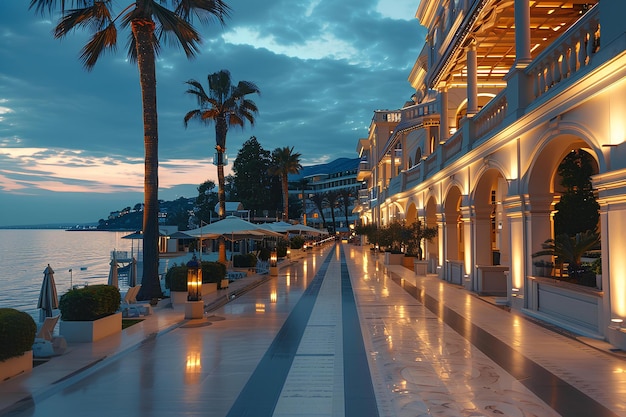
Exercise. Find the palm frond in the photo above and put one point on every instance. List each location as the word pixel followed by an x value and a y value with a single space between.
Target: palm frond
pixel 100 42
pixel 43 6
pixel 205 10
pixel 170 24
pixel 97 16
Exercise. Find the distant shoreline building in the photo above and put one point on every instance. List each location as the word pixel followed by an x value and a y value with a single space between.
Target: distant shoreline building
pixel 503 91
pixel 334 177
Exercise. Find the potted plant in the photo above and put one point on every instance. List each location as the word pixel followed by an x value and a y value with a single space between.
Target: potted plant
pixel 17 334
pixel 90 313
pixel 596 267
pixel 570 250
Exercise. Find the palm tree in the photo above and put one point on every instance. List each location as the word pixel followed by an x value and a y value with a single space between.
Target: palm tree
pixel 567 249
pixel 319 201
pixel 285 162
pixel 151 22
pixel 346 201
pixel 303 184
pixel 332 200
pixel 225 105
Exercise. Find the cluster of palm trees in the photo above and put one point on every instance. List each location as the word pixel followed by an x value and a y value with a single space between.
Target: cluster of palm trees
pixel 332 199
pixel 153 23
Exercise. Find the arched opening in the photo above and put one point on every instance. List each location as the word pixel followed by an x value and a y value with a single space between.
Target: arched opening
pixel 489 219
pixel 550 198
pixel 411 214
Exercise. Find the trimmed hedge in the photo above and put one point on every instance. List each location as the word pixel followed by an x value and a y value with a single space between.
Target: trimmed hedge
pixel 244 261
pixel 297 242
pixel 89 303
pixel 17 333
pixel 176 277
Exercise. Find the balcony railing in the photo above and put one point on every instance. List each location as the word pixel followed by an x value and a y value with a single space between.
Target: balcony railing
pixel 570 53
pixel 420 110
pixel 490 116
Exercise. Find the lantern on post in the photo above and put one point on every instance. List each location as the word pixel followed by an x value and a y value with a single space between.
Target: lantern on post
pixel 274 263
pixel 194 280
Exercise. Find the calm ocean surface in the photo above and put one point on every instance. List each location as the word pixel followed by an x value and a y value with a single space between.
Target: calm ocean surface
pixel 26 253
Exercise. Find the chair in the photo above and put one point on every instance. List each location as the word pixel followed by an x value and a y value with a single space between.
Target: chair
pixel 131 307
pixel 46 344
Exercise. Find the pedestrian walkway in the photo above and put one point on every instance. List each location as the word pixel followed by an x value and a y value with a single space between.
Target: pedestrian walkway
pixel 337 333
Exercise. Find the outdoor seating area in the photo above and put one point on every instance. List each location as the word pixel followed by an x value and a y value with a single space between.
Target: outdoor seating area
pixel 46 344
pixel 130 307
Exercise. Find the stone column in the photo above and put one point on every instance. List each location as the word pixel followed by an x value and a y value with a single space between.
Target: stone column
pixel 522 31
pixel 444 126
pixel 472 80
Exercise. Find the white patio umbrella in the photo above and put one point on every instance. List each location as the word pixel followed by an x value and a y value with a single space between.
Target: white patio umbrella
pixel 294 228
pixel 233 228
pixel 48 298
pixel 132 274
pixel 113 277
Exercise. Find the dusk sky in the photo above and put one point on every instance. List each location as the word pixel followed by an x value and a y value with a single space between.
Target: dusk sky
pixel 71 141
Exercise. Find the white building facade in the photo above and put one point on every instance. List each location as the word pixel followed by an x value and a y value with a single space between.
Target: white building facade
pixel 504 89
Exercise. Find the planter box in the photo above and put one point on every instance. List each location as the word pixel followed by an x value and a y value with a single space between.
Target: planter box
pixel 16 366
pixel 408 261
pixel 420 267
pixel 179 298
pixel 393 258
pixel 91 331
pixel 209 288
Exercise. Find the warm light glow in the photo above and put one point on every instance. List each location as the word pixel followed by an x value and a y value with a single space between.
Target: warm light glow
pixel 617 271
pixel 260 307
pixel 194 363
pixel 273 297
pixel 517 252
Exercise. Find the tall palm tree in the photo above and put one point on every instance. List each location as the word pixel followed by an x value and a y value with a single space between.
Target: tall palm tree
pixel 332 201
pixel 151 22
pixel 225 105
pixel 346 201
pixel 319 201
pixel 303 185
pixel 285 162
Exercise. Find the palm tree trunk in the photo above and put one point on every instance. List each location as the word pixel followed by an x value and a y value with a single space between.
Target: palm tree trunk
pixel 285 184
pixel 143 31
pixel 221 127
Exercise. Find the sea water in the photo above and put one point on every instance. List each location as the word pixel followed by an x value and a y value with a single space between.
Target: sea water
pixel 25 253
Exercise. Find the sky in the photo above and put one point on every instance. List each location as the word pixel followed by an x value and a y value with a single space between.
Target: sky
pixel 71 140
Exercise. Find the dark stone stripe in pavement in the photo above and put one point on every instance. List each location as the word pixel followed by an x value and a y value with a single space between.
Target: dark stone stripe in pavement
pixel 564 398
pixel 260 394
pixel 359 397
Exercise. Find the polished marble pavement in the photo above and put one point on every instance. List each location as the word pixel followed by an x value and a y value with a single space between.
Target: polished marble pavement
pixel 299 345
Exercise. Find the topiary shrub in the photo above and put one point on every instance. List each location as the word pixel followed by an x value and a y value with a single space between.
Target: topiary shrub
pixel 213 272
pixel 17 333
pixel 244 261
pixel 176 278
pixel 264 254
pixel 297 242
pixel 89 303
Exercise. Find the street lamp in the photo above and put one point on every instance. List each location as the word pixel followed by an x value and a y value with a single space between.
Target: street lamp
pixel 194 280
pixel 274 263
